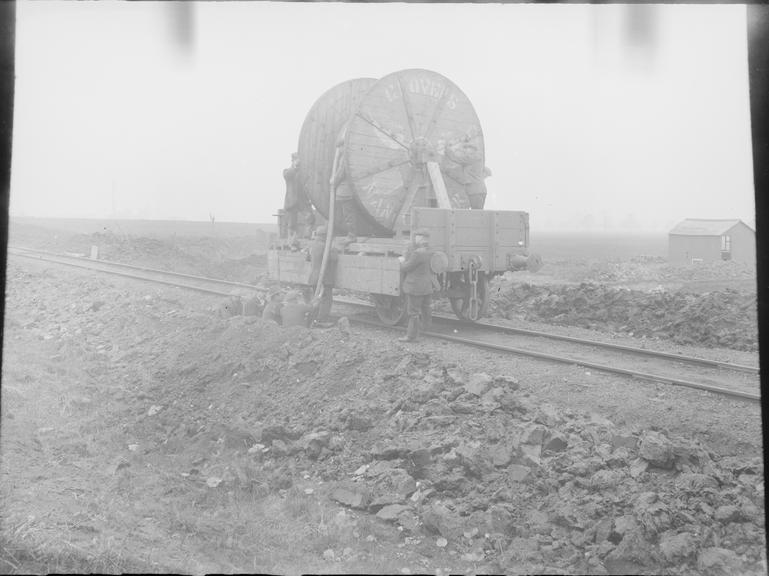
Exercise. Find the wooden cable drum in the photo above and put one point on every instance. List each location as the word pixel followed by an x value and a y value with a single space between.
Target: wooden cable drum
pixel 319 135
pixel 403 121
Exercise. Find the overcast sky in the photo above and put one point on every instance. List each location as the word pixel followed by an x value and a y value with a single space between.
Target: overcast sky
pixel 590 120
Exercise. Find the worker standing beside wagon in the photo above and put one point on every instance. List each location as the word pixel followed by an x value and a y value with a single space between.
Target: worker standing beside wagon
pixel 417 285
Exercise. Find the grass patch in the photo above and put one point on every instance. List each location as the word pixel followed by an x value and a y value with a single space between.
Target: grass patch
pixel 27 557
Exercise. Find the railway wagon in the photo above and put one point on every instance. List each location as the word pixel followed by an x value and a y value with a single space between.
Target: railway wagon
pixel 409 150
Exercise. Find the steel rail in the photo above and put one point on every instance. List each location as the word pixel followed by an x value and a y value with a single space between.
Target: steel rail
pixel 87 265
pixel 486 325
pixel 695 360
pixel 134 267
pixel 94 265
pixel 622 347
pixel 573 361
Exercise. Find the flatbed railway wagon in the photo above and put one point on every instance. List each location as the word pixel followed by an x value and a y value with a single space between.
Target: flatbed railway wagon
pixel 410 148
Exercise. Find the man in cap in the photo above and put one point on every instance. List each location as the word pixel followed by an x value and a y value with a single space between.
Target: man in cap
pixel 475 187
pixel 344 193
pixel 295 200
pixel 316 258
pixel 417 284
pixel 272 308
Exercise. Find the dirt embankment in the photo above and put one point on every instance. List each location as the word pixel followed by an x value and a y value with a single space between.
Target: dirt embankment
pixel 236 258
pixel 724 318
pixel 644 271
pixel 466 458
pixel 712 304
pixel 162 427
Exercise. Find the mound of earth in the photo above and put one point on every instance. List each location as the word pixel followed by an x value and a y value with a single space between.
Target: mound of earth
pixel 464 457
pixel 183 420
pixel 725 318
pixel 710 304
pixel 235 258
pixel 644 270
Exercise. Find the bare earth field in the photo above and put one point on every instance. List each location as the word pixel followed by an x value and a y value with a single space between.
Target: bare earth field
pixel 143 431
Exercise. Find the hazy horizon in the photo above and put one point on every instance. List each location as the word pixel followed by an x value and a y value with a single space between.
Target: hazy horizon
pixel 73 220
pixel 595 117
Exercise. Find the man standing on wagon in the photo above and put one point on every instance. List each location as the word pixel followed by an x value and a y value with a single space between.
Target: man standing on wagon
pixel 417 284
pixel 296 201
pixel 344 192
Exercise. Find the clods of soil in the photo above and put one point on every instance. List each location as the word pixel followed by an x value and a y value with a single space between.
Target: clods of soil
pixel 724 318
pixel 710 304
pixel 137 419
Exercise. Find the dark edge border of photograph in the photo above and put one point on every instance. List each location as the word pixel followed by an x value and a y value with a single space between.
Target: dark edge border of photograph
pixel 7 86
pixel 758 70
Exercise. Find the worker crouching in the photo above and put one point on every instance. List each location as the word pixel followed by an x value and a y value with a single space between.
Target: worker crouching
pixel 296 312
pixel 417 284
pixel 273 307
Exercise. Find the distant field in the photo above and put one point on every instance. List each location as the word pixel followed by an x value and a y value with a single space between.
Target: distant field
pixel 149 228
pixel 602 246
pixel 551 246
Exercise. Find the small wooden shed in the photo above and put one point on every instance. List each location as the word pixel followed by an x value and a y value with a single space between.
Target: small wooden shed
pixel 699 240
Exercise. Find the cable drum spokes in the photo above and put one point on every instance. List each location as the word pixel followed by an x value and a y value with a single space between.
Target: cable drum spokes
pixel 407 108
pixel 394 136
pixel 426 115
pixel 394 163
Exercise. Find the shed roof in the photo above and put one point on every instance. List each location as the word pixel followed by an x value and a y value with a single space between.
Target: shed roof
pixel 701 227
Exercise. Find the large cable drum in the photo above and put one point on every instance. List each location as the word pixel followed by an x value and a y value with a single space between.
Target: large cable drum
pixel 406 119
pixel 319 134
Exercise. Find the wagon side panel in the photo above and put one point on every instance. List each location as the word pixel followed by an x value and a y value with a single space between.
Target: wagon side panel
pixel 511 236
pixel 462 234
pixel 372 274
pixel 288 267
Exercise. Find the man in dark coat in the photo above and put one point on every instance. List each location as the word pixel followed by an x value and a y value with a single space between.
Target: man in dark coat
pixel 344 194
pixel 417 284
pixel 329 276
pixel 296 201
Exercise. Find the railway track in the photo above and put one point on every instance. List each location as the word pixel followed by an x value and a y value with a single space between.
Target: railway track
pixel 666 369
pixel 497 328
pixel 187 281
pixel 728 379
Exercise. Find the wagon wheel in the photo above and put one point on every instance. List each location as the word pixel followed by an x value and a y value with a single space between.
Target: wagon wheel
pixel 391 310
pixel 461 305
